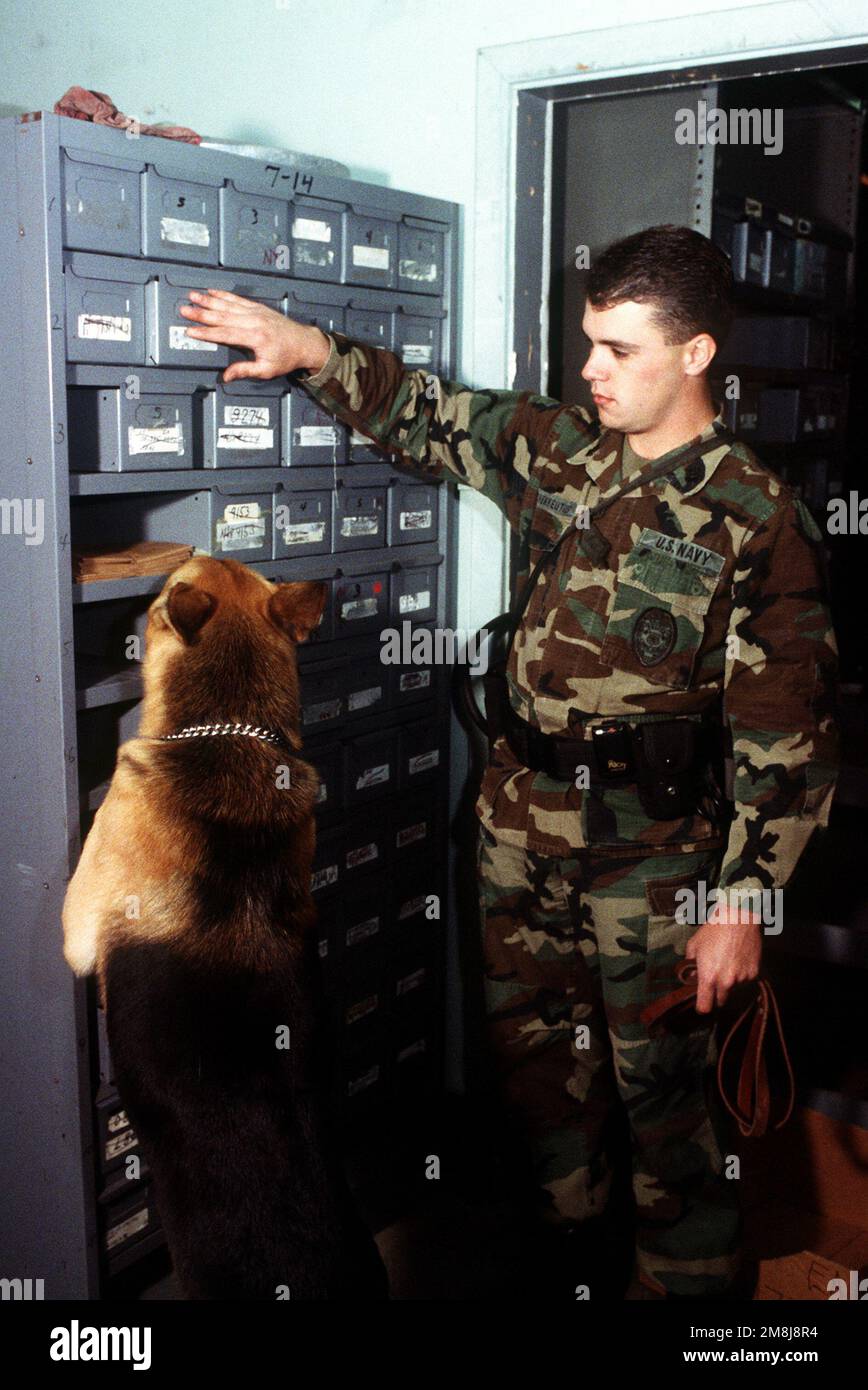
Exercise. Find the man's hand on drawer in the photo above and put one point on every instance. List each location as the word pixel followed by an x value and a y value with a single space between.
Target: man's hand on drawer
pixel 279 344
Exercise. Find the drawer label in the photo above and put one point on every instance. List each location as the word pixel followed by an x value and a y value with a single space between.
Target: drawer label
pixel 179 342
pixel 414 680
pixel 411 981
pixel 304 533
pixel 411 906
pixel 417 353
pixel 363 931
pixel 111 328
pixel 373 776
pixel 360 699
pixel 311 436
pixel 318 713
pixel 363 854
pixel 413 1050
pixel 423 761
pixel 359 608
pixel 311 229
pixel 120 1144
pixel 125 1230
pixel 324 878
pixel 409 269
pixel 259 415
pixel 242 527
pixel 360 525
pixel 411 603
pixel 363 1009
pixel 416 521
pixel 411 833
pixel 361 1083
pixel 185 232
pixel 372 257
pixel 238 437
pixel 155 439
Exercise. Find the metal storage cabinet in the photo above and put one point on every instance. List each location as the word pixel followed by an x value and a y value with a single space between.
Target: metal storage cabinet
pixel 113 429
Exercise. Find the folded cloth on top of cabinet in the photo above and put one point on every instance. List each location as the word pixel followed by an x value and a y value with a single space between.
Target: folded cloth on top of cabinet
pixel 83 104
pixel 120 562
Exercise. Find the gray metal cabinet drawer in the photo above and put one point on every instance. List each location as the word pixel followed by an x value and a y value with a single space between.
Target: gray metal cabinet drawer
pixel 241 525
pixel 180 218
pixel 105 309
pixel 168 343
pixel 360 604
pixel 310 434
pixel 418 340
pixel 366 685
pixel 240 429
pixel 413 594
pixel 359 519
pixel 254 230
pixel 370 766
pixel 413 512
pixel 316 237
pixel 101 203
pixel 302 523
pixel 322 696
pixel 420 258
pixel 370 248
pixel 108 433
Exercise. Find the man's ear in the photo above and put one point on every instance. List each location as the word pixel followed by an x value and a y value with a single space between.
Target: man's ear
pixel 188 609
pixel 297 608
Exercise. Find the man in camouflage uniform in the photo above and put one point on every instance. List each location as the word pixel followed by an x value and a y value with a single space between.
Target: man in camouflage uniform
pixel 712 591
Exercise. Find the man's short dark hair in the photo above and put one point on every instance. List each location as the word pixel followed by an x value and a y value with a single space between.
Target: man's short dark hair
pixel 681 273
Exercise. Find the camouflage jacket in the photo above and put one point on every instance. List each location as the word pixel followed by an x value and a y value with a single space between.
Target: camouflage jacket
pixel 713 590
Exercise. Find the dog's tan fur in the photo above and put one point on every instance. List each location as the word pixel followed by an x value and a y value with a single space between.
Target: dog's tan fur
pixel 137 859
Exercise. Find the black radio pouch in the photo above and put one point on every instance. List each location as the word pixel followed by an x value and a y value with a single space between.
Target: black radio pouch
pixel 670 762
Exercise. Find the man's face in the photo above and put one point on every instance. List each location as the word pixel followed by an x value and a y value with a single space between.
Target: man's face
pixel 635 376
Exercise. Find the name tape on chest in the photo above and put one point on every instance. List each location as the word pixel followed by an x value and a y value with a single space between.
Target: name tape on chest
pixel 688 552
pixel 556 503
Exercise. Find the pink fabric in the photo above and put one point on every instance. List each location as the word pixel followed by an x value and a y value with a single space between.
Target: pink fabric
pixel 84 105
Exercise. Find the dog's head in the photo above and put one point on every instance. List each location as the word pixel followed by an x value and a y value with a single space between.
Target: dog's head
pixel 220 644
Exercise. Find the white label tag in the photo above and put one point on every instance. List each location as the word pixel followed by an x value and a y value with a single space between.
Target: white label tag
pixel 416 521
pixel 417 270
pixel 360 525
pixel 124 1230
pixel 234 437
pixel 410 907
pixel 359 608
pixel 356 438
pixel 423 761
pixel 361 1083
pixel 319 713
pixel 412 981
pixel 363 931
pixel 321 793
pixel 155 439
pixel 410 834
pixel 414 680
pixel 373 257
pixel 179 342
pixel 413 353
pixel 242 527
pixel 113 328
pixel 362 1009
pixel 120 1144
pixel 413 1050
pixel 364 854
pixel 308 436
pixel 360 699
pixel 184 232
pixel 311 229
pixel 304 533
pixel 411 603
pixel 246 415
pixel 373 776
pixel 324 878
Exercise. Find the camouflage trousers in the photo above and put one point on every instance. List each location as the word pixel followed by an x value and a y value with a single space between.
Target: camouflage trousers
pixel 574 949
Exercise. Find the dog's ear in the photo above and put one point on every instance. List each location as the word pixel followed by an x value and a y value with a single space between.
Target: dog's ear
pixel 297 608
pixel 188 609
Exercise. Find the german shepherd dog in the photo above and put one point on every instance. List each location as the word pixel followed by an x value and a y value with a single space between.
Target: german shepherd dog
pixel 191 901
